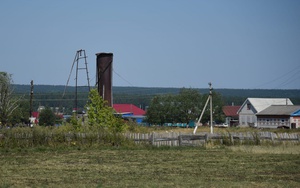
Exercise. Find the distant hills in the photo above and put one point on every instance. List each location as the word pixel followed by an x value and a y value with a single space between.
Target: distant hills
pixel 234 95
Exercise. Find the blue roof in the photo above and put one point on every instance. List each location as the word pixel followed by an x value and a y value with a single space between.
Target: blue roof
pixel 297 113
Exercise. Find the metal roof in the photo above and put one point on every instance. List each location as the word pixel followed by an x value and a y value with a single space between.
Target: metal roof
pixel 231 110
pixel 128 108
pixel 280 110
pixel 260 104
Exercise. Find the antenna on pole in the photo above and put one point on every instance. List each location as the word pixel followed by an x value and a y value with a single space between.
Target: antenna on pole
pixel 211 117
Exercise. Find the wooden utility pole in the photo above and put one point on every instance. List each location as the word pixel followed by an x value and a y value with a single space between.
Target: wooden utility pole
pixel 31 98
pixel 211 108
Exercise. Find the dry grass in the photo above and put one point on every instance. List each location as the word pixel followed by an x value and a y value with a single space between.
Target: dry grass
pixel 148 167
pixel 206 129
pixel 98 165
pixel 283 148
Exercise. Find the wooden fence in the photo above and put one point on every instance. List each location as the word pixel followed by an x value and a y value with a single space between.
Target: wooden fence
pixel 178 139
pixel 158 139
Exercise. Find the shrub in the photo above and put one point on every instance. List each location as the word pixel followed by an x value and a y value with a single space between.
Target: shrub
pixel 47 117
pixel 101 115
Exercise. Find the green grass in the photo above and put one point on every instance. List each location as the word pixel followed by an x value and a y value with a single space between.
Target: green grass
pixel 44 157
pixel 211 166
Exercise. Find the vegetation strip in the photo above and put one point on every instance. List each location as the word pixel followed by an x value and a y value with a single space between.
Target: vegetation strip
pixel 165 167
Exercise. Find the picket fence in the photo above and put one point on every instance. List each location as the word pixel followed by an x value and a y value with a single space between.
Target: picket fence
pixel 179 139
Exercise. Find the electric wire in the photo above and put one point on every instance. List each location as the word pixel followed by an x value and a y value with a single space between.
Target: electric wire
pixel 290 80
pixel 295 70
pixel 122 77
pixel 70 74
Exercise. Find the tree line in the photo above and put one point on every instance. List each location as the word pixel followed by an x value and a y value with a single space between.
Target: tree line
pixel 183 107
pixel 142 95
pixel 173 103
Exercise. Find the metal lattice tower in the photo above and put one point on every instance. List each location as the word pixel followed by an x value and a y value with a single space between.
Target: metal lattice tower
pixel 80 55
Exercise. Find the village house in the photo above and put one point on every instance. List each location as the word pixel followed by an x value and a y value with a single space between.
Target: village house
pixel 232 117
pixel 252 106
pixel 130 112
pixel 279 116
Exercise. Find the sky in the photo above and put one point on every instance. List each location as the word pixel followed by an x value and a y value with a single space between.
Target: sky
pixel 239 44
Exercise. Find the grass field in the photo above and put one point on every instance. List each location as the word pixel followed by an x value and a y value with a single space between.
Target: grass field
pixel 210 166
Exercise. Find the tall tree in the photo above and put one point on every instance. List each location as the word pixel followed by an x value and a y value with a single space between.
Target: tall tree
pixel 47 117
pixel 175 108
pixel 154 111
pixel 99 114
pixel 7 103
pixel 20 115
pixel 190 101
pixel 182 108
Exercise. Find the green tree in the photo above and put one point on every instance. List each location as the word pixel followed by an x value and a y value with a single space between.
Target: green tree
pixel 8 104
pixel 21 114
pixel 152 115
pixel 183 107
pixel 47 117
pixel 101 115
pixel 163 109
pixel 179 108
pixel 189 101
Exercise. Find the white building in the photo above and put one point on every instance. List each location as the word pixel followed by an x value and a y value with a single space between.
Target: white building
pixel 276 116
pixel 252 106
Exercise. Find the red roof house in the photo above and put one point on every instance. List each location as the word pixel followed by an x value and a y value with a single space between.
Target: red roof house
pixel 232 117
pixel 231 111
pixel 129 108
pixel 35 117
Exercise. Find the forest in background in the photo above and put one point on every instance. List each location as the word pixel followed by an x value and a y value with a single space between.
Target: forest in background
pixel 52 95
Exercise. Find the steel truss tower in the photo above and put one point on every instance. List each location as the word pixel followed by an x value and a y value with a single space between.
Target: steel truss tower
pixel 80 55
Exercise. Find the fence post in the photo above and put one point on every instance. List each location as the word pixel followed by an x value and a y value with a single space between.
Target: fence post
pixel 272 138
pixel 180 140
pixel 231 139
pixel 153 139
pixel 206 138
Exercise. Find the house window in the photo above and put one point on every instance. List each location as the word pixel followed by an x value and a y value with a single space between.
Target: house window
pixel 248 106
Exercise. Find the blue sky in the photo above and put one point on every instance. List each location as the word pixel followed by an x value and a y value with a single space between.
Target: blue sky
pixel 158 43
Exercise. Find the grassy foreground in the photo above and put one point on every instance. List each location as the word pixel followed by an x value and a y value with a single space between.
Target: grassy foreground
pixel 247 166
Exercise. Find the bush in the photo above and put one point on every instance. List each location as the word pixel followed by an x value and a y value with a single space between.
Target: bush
pixel 60 137
pixel 101 115
pixel 47 117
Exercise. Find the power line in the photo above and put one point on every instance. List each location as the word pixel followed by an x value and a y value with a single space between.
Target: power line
pixel 275 80
pixel 290 80
pixel 122 77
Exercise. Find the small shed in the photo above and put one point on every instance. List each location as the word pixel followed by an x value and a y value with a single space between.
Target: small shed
pixel 232 117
